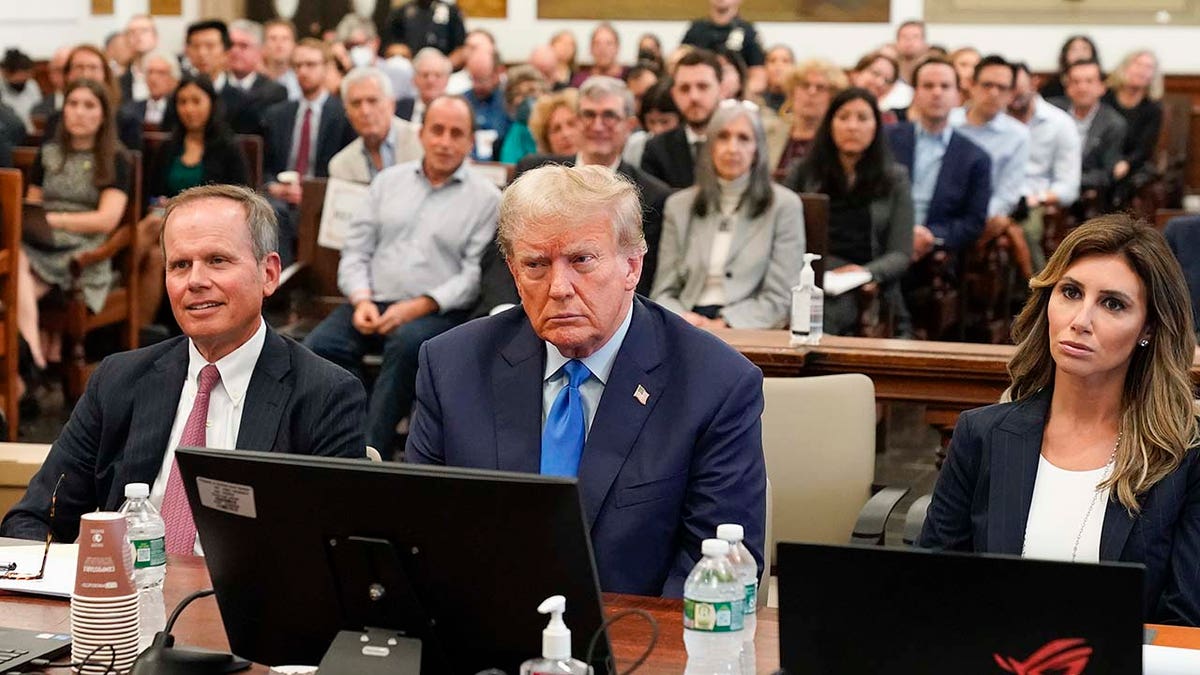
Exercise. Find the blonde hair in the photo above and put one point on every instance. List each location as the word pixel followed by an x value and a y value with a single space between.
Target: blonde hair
pixel 544 109
pixel 1116 79
pixel 1158 418
pixel 836 76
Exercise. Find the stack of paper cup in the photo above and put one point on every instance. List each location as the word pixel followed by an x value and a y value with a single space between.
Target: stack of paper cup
pixel 104 606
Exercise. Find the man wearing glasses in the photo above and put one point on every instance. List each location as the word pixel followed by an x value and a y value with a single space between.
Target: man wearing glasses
pixel 605 111
pixel 228 382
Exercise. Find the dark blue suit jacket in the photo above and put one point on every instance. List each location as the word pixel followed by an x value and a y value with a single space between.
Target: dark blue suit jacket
pixel 981 504
pixel 279 123
pixel 655 479
pixel 958 210
pixel 297 402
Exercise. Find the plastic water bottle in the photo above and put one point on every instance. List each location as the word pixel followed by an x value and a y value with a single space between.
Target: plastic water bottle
pixel 147 534
pixel 713 613
pixel 808 306
pixel 747 570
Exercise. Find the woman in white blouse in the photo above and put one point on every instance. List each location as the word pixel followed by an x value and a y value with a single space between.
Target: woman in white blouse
pixel 1094 457
pixel 732 244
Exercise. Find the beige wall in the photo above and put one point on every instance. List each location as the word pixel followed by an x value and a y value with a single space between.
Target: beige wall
pixel 223 9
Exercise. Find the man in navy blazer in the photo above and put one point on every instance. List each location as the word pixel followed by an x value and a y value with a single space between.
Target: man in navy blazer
pixel 660 424
pixel 272 394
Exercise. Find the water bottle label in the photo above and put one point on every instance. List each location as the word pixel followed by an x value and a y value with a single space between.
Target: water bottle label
pixel 751 597
pixel 149 552
pixel 713 617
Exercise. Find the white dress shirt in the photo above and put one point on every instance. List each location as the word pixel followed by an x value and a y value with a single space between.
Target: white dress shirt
pixel 600 363
pixel 225 404
pixel 155 110
pixel 1058 514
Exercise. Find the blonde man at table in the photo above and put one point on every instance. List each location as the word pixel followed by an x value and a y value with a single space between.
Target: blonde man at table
pixel 1094 459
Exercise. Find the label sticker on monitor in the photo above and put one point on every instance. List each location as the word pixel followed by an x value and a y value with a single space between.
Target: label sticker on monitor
pixel 227 497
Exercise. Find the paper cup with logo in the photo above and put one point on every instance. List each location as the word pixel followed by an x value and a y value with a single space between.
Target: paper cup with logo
pixel 105 565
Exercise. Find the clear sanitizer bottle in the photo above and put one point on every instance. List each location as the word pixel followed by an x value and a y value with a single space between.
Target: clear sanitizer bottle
pixel 556 644
pixel 808 306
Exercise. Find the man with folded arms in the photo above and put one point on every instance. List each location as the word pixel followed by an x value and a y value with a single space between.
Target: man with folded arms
pixel 658 420
pixel 228 382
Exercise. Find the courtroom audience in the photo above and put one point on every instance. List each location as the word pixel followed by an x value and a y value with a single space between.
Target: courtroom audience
pixel 554 124
pixel 421 24
pixel 524 86
pixel 56 71
pixel 486 97
pixel 160 77
pixel 88 62
pixel 605 51
pixel 81 177
pixel 410 267
pixel 1101 128
pixel 657 114
pixel 245 65
pixel 383 139
pixel 565 51
pixel 545 61
pixel 779 61
pixel 357 45
pixel 909 50
pixel 207 49
pixel 1074 49
pixel 431 74
pixel 696 88
pixel 18 88
pixel 1094 456
pixel 965 60
pixel 733 74
pixel 279 39
pixel 870 203
pixel 650 52
pixel 725 29
pixel 1135 89
pixel 640 79
pixel 478 40
pixel 142 36
pixel 732 244
pixel 876 72
pixel 810 85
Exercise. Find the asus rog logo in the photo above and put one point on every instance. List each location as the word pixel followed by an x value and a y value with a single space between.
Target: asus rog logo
pixel 1066 656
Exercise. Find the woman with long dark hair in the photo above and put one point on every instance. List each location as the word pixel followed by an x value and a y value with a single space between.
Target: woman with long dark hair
pixel 870 203
pixel 1074 48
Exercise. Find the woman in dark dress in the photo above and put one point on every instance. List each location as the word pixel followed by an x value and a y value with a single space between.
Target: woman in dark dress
pixel 1134 90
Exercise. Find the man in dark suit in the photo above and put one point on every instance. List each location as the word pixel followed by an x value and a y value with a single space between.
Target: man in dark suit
pixel 302 136
pixel 245 62
pixel 431 74
pixel 696 88
pixel 228 382
pixel 658 420
pixel 161 77
pixel 605 111
pixel 207 49
pixel 1101 129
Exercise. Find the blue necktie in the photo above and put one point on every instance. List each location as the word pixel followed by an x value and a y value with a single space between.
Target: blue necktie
pixel 562 440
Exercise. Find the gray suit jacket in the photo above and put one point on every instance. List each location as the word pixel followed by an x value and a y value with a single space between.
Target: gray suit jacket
pixel 351 164
pixel 764 260
pixel 1102 147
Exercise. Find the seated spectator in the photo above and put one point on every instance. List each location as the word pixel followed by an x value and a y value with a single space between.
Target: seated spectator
pixel 1052 178
pixel 985 122
pixel 12 134
pixel 909 50
pixel 545 61
pixel 142 36
pixel 1101 129
pixel 486 97
pixel 780 60
pixel 554 124
pixel 639 79
pixel 18 88
pixel 606 49
pixel 565 50
pixel 733 75
pixel 724 28
pixel 870 203
pixel 56 71
pixel 302 136
pixel 733 243
pixel 160 74
pixel 811 85
pixel 478 40
pixel 1094 458
pixel 421 24
pixel 696 88
pixel 119 54
pixel 410 269
pixel 358 45
pixel 279 39
pixel 383 139
pixel 657 115
pixel 431 73
pixel 207 49
pixel 1074 48
pixel 965 59
pixel 525 85
pixel 82 180
pixel 650 55
pixel 200 151
pixel 1135 90
pixel 245 62
pixel 876 72
pixel 87 62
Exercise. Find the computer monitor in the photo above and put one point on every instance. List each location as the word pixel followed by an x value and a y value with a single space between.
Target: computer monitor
pixel 300 548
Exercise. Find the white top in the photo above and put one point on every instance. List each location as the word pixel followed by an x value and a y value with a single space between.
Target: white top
pixel 1060 504
pixel 718 256
pixel 900 96
pixel 225 404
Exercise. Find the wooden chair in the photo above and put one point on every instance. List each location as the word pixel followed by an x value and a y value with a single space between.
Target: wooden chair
pixel 11 194
pixel 989 285
pixel 252 147
pixel 309 285
pixel 74 320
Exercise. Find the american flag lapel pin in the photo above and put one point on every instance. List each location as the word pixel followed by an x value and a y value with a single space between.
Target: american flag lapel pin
pixel 641 394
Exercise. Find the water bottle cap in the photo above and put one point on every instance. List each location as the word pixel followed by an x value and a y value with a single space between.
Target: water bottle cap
pixel 715 548
pixel 137 491
pixel 731 532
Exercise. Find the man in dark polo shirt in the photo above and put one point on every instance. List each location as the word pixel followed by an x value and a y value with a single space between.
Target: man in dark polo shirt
pixel 725 29
pixel 429 23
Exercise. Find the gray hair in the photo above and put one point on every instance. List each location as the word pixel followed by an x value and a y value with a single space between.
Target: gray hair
pixel 567 196
pixel 260 217
pixel 171 61
pixel 253 28
pixel 432 53
pixel 363 73
pixel 601 86
pixel 758 195
pixel 352 22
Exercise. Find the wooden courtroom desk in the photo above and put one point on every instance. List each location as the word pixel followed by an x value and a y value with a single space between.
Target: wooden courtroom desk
pixel 200 624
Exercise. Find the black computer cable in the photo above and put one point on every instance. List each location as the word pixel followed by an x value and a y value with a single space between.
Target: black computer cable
pixel 615 618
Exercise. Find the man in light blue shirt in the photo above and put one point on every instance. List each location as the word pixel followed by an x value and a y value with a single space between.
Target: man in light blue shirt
pixel 410 269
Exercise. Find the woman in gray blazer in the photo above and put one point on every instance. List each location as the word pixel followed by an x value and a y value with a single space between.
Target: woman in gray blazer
pixel 732 244
pixel 870 202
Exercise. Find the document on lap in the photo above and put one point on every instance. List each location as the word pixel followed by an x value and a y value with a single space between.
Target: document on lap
pixel 345 202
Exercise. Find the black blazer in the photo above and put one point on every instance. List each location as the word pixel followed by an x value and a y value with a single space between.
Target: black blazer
pixel 404 107
pixel 1102 147
pixel 669 158
pixel 982 498
pixel 279 122
pixel 496 283
pixel 297 402
pixel 224 162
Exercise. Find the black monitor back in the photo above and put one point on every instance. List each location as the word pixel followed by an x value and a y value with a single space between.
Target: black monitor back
pixel 847 609
pixel 292 544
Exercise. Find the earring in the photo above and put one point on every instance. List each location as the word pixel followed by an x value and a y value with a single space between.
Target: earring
pixel 1143 342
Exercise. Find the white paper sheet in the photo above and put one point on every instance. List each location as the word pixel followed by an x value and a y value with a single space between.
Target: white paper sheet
pixel 59 579
pixel 1170 660
pixel 345 202
pixel 837 283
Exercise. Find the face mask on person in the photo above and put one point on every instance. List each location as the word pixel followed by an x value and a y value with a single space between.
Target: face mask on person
pixel 361 56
